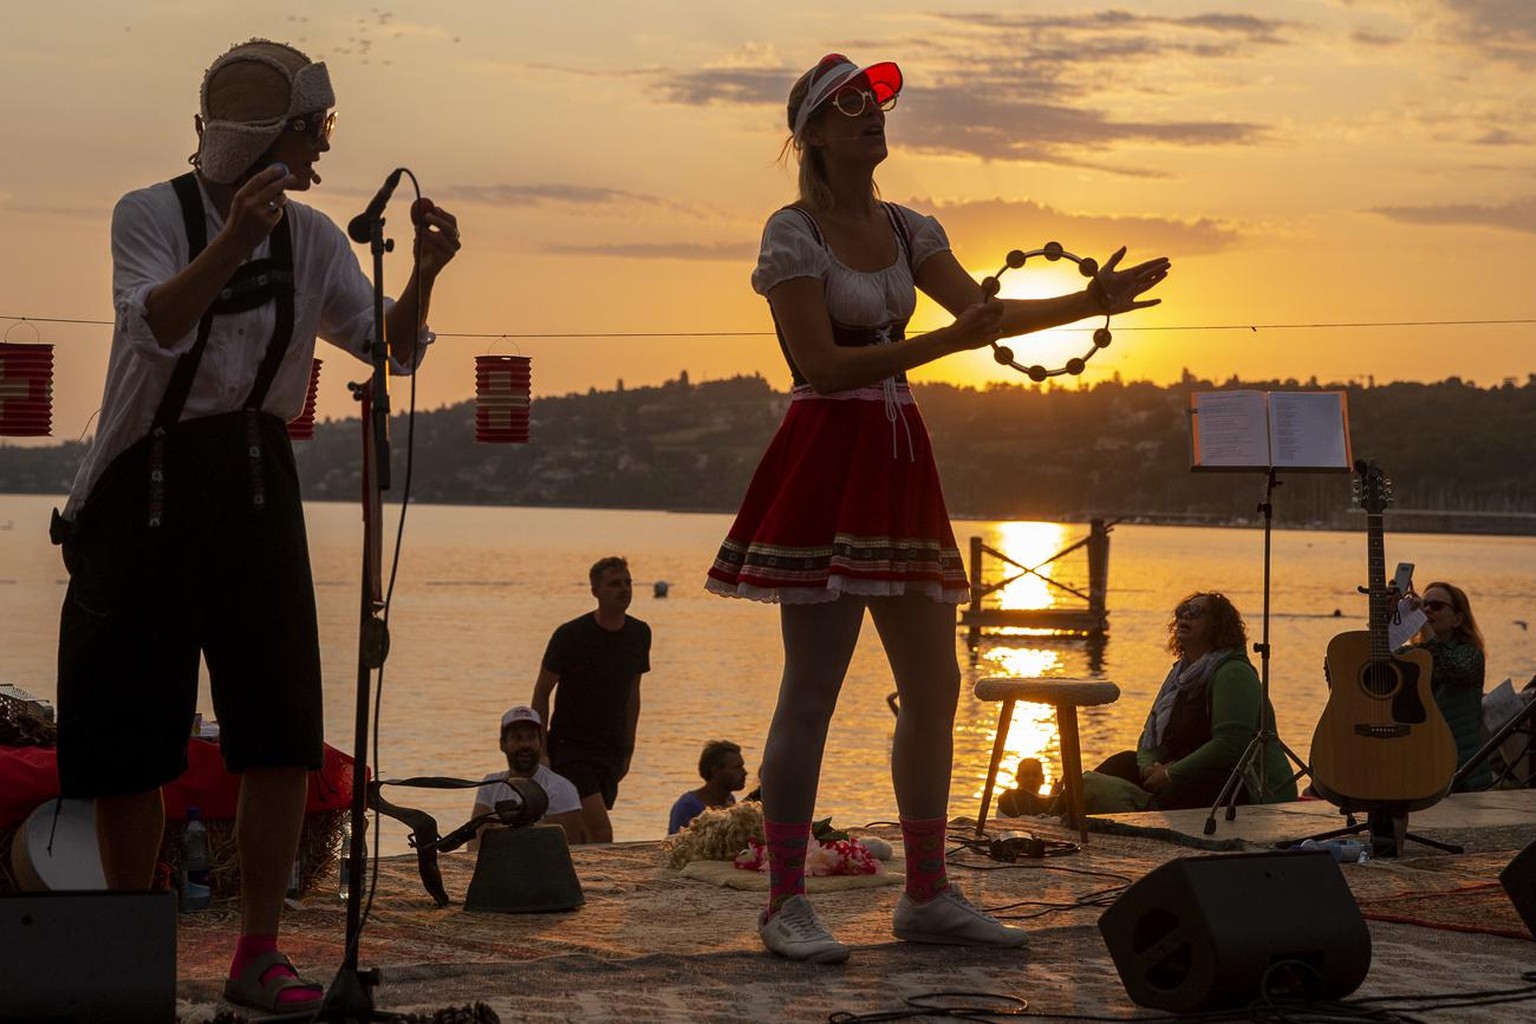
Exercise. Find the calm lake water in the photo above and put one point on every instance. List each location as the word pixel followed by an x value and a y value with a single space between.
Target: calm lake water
pixel 480 589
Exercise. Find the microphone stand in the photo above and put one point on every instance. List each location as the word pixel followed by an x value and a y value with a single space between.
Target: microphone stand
pixel 349 999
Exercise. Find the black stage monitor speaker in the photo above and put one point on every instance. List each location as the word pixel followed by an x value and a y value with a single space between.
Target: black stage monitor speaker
pixel 97 957
pixel 1199 933
pixel 1519 880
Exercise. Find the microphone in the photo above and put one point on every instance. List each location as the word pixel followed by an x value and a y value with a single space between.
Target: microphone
pixel 359 230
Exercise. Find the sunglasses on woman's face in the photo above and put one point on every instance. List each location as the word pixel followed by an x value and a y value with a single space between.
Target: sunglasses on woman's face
pixel 851 101
pixel 317 126
pixel 1189 611
pixel 1435 606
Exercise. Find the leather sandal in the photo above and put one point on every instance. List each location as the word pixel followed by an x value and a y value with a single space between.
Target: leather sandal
pixel 248 989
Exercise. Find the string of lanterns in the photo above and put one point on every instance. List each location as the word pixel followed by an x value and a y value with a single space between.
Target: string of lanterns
pixel 503 395
pixel 26 389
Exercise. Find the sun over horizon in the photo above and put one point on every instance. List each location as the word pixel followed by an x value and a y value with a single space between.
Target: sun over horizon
pixel 1343 187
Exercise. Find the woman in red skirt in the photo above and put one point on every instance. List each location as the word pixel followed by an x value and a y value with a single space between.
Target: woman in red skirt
pixel 845 513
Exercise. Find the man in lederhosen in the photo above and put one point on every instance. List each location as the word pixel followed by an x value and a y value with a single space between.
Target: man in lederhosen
pixel 184 533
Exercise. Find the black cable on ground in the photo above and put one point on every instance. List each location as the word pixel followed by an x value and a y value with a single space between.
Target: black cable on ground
pixel 1278 1003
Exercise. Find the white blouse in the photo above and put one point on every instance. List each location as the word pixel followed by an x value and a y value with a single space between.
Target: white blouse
pixel 333 299
pixel 855 298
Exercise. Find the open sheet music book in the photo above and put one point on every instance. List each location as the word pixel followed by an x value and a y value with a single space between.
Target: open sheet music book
pixel 1293 430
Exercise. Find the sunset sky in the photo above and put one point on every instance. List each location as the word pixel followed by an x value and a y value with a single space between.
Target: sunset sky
pixel 1302 162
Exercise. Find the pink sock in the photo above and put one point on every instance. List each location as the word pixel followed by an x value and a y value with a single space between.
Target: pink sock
pixel 924 843
pixel 786 860
pixel 252 946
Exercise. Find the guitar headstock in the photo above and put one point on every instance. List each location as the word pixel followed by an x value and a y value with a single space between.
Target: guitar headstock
pixel 1373 491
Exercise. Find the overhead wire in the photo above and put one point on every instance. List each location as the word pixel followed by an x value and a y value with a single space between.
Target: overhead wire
pixel 1147 328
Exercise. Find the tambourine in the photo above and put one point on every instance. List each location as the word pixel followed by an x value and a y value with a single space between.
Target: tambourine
pixel 1088 267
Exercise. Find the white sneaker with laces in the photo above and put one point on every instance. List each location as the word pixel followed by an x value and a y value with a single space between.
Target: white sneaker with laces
pixel 796 933
pixel 950 918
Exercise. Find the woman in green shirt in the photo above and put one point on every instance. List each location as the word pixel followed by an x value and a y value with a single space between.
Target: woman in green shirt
pixel 1204 716
pixel 1454 642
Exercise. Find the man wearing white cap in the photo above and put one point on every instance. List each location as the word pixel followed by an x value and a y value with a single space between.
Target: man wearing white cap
pixel 522 740
pixel 184 531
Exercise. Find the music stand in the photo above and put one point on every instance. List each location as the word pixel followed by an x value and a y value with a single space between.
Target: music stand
pixel 1522 719
pixel 1259 431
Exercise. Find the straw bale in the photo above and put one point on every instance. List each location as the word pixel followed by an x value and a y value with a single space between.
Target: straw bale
pixel 7 876
pixel 318 846
pixel 21 727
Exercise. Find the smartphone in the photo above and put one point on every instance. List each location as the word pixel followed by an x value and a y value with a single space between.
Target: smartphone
pixel 1403 578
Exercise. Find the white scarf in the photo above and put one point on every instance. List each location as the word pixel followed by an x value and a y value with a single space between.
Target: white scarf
pixel 1181 678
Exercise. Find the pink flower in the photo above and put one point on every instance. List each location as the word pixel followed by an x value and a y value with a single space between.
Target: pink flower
pixel 822 858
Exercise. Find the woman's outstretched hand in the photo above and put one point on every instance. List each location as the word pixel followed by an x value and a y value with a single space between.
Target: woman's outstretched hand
pixel 1117 291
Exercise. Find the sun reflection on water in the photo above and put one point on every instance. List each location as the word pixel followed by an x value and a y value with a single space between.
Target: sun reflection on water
pixel 1029 544
pixel 1009 652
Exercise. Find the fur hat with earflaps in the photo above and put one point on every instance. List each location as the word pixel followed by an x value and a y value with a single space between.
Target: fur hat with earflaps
pixel 248 97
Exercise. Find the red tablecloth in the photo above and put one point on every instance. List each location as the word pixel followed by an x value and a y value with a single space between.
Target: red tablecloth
pixel 29 777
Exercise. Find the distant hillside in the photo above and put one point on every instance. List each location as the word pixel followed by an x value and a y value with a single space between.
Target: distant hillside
pixel 1006 451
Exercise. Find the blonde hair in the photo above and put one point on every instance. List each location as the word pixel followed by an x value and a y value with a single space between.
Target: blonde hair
pixel 814 190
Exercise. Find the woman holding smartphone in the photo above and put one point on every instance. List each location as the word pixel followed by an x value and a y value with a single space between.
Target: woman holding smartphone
pixel 1455 644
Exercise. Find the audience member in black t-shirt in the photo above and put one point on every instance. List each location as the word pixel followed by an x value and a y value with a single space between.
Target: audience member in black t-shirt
pixel 595 661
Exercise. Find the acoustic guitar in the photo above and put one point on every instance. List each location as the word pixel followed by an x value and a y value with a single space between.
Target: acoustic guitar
pixel 1381 740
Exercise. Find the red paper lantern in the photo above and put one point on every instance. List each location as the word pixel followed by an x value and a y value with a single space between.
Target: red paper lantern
pixel 26 390
pixel 302 426
pixel 502 397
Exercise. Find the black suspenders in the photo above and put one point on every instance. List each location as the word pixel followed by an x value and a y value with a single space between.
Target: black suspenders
pixel 252 285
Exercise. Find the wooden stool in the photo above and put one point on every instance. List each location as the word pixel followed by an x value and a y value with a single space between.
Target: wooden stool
pixel 1066 696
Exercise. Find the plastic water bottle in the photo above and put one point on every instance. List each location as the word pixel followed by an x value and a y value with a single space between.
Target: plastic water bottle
pixel 1345 851
pixel 344 890
pixel 196 892
pixel 1350 851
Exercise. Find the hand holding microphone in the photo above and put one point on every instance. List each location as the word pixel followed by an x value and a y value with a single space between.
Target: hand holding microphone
pixel 437 235
pixel 437 231
pixel 257 205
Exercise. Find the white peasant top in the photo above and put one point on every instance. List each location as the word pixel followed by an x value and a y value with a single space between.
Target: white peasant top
pixel 855 298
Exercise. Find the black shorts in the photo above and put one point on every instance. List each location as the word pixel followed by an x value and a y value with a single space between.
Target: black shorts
pixel 221 578
pixel 591 776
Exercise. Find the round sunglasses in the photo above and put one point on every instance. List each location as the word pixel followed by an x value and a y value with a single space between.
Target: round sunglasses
pixel 317 126
pixel 851 101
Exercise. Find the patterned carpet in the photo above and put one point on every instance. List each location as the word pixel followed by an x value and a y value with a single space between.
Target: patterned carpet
pixel 651 944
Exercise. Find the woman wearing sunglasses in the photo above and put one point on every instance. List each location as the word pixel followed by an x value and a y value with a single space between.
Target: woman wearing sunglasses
pixel 1455 645
pixel 844 512
pixel 1203 718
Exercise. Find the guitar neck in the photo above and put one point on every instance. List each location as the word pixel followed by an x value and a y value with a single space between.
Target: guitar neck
pixel 1381 600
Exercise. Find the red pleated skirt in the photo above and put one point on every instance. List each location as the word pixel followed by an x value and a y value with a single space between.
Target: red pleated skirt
pixel 846 500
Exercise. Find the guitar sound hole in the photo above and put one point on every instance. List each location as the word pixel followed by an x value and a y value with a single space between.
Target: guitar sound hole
pixel 1379 680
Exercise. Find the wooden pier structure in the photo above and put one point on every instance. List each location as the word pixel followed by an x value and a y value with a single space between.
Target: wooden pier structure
pixel 1086 616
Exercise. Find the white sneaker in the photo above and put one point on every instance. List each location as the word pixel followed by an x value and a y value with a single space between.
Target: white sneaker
pixel 796 933
pixel 950 918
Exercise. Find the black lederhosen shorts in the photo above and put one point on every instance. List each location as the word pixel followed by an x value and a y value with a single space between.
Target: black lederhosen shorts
pixel 221 577
pixel 590 775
